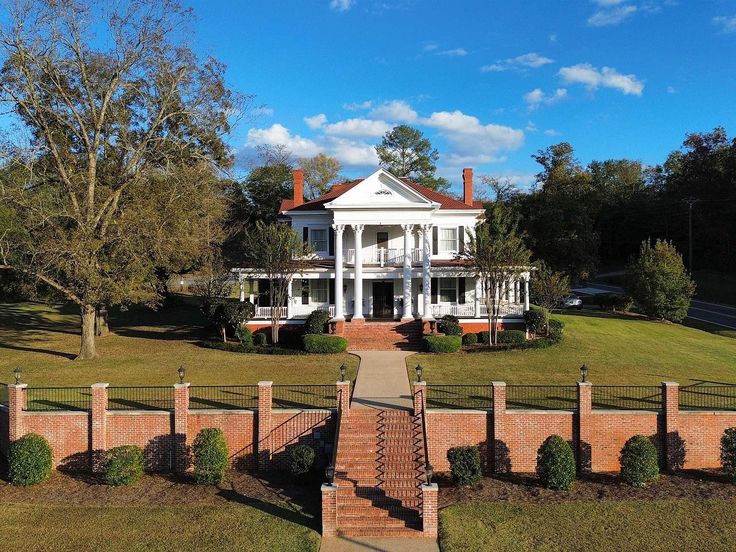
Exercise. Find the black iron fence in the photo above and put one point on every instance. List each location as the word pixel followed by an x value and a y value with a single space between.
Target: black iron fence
pixel 4 394
pixel 708 397
pixel 627 397
pixel 45 399
pixel 304 396
pixel 235 397
pixel 541 397
pixel 140 398
pixel 479 397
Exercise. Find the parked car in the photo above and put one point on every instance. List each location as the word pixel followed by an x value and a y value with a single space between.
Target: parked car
pixel 572 301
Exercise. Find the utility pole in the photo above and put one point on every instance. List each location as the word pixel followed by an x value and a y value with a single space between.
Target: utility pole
pixel 690 202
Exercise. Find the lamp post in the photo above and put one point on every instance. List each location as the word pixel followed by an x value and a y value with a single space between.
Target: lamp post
pixel 17 372
pixel 584 373
pixel 330 473
pixel 343 371
pixel 429 471
pixel 419 370
pixel 181 371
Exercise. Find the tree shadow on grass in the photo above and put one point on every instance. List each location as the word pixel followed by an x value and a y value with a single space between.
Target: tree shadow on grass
pixel 69 356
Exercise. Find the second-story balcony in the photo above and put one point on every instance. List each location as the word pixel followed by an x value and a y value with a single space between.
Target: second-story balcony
pixel 383 256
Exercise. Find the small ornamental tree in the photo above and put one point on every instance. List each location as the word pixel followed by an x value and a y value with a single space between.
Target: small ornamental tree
pixel 300 459
pixel 549 288
pixel 639 464
pixel 210 456
pixel 464 465
pixel 123 465
pixel 658 282
pixel 556 464
pixel 728 453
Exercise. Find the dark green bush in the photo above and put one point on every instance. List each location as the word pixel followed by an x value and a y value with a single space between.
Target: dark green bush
pixel 639 464
pixel 442 343
pixel 464 465
pixel 728 453
pixel 555 328
pixel 484 337
pixel 291 339
pixel 449 325
pixel 245 336
pixel 210 456
pixel 470 339
pixel 300 459
pixel 556 464
pixel 536 319
pixel 260 339
pixel 512 336
pixel 123 465
pixel 316 322
pixel 30 460
pixel 623 303
pixel 606 301
pixel 325 344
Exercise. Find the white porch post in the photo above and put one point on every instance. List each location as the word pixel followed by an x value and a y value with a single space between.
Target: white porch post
pixel 242 288
pixel 477 296
pixel 426 264
pixel 339 228
pixel 526 293
pixel 358 293
pixel 408 229
pixel 516 291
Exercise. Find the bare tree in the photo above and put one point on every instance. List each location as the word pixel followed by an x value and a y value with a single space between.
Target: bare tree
pixel 320 172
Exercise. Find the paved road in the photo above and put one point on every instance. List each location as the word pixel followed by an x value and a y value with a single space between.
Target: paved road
pixel 704 311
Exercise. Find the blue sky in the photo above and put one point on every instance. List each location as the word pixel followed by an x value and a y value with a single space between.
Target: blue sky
pixel 488 82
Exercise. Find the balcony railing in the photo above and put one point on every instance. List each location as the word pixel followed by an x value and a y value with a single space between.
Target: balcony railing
pixel 382 256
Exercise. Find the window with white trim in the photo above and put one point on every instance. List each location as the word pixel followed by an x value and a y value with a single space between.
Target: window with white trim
pixel 319 291
pixel 318 239
pixel 448 240
pixel 448 290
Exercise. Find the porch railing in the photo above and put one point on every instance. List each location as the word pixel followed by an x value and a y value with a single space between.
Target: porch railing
pixel 468 310
pixel 297 311
pixel 265 312
pixel 383 256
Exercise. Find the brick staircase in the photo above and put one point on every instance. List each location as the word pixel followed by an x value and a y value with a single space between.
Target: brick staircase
pixel 380 335
pixel 379 470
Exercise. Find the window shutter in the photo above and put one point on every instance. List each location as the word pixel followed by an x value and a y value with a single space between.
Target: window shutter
pixel 305 292
pixel 434 289
pixel 435 240
pixel 331 242
pixel 331 299
pixel 460 239
pixel 461 290
pixel 305 234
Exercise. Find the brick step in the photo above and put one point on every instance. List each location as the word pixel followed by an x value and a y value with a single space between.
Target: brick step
pixel 372 464
pixel 369 521
pixel 382 502
pixel 393 512
pixel 375 493
pixel 409 531
pixel 404 483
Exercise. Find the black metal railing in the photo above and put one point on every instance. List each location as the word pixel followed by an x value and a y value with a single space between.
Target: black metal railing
pixel 141 398
pixel 627 397
pixel 479 397
pixel 232 397
pixel 47 399
pixel 4 394
pixel 541 397
pixel 304 396
pixel 708 397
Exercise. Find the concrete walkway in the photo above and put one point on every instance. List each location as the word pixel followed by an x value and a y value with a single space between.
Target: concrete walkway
pixel 382 381
pixel 377 544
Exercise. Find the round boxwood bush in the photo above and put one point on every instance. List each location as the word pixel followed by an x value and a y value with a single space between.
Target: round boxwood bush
pixel 470 339
pixel 260 339
pixel 728 453
pixel 316 322
pixel 556 464
pixel 442 343
pixel 210 456
pixel 30 460
pixel 515 337
pixel 449 325
pixel 325 344
pixel 300 459
pixel 245 336
pixel 639 464
pixel 484 337
pixel 123 465
pixel 464 465
pixel 536 319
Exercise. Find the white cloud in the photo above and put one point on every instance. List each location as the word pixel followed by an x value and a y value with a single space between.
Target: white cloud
pixel 671 90
pixel 493 68
pixel 341 5
pixel 469 137
pixel 278 134
pixel 358 128
pixel 585 73
pixel 429 47
pixel 532 60
pixel 727 24
pixel 453 52
pixel 552 132
pixel 552 38
pixel 358 106
pixel 611 14
pixel 351 152
pixel 316 121
pixel 395 110
pixel 262 111
pixel 537 98
pixel 531 127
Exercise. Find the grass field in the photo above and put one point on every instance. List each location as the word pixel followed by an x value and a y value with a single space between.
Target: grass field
pixel 664 525
pixel 145 348
pixel 616 350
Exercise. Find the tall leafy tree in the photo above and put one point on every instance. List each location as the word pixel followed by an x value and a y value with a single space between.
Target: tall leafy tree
pixel 120 174
pixel 549 287
pixel 320 173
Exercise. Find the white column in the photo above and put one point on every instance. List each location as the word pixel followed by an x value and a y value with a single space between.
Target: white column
pixel 426 264
pixel 242 289
pixel 408 229
pixel 516 291
pixel 339 228
pixel 526 293
pixel 358 293
pixel 478 291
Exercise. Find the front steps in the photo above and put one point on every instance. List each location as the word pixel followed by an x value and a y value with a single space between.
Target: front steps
pixel 383 335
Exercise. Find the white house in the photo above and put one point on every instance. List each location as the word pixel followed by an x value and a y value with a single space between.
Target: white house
pixel 386 248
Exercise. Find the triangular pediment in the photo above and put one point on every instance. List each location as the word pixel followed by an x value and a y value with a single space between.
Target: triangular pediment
pixel 381 189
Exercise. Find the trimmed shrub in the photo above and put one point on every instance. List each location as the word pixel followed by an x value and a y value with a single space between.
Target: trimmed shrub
pixel 30 460
pixel 316 322
pixel 639 464
pixel 536 319
pixel 325 344
pixel 260 339
pixel 555 328
pixel 728 453
pixel 484 337
pixel 245 336
pixel 300 459
pixel 442 343
pixel 123 465
pixel 464 465
pixel 556 464
pixel 470 339
pixel 210 456
pixel 623 303
pixel 512 336
pixel 449 325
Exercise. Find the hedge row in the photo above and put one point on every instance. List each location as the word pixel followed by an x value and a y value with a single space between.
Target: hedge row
pixel 325 344
pixel 442 343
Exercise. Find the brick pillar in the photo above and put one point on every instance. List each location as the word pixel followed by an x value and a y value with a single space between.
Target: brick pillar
pixel 181 419
pixel 343 397
pixel 674 446
pixel 429 509
pixel 98 425
pixel 329 510
pixel 584 426
pixel 420 397
pixel 500 460
pixel 16 404
pixel 264 424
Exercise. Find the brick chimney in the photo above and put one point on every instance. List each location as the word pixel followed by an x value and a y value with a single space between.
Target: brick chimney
pixel 468 187
pixel 298 187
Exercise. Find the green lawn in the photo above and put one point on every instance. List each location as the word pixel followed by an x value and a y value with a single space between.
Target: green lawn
pixel 617 351
pixel 664 525
pixel 149 528
pixel 145 348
